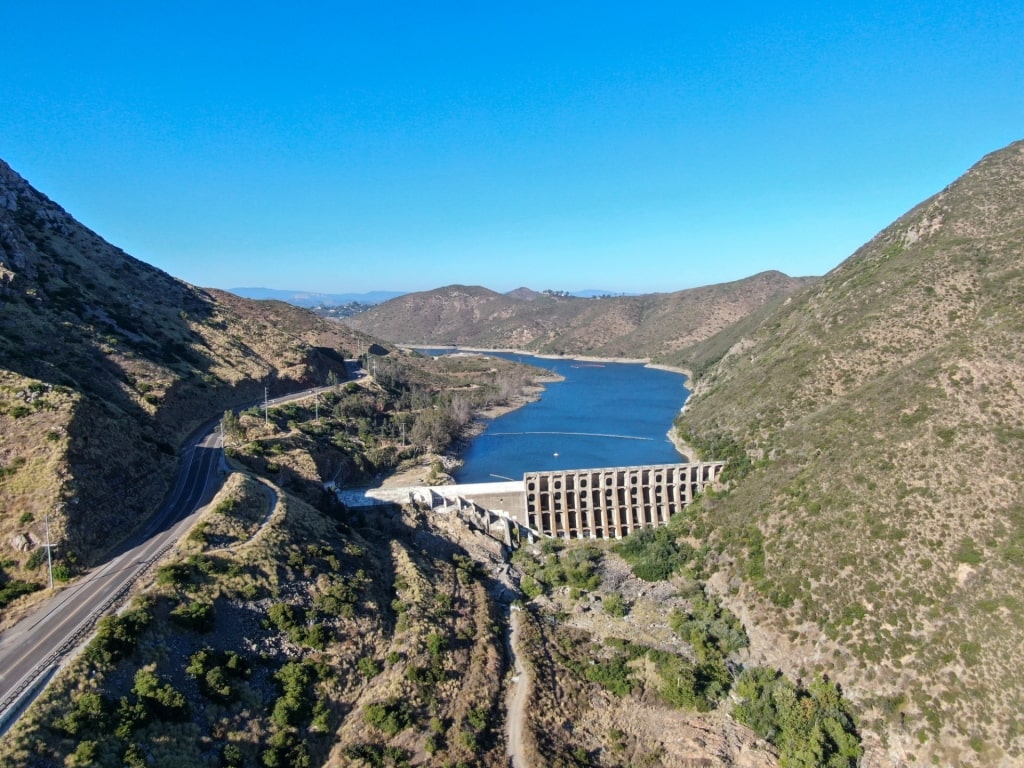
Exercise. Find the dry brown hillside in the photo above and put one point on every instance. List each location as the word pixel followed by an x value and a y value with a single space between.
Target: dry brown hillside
pixel 880 526
pixel 656 325
pixel 106 364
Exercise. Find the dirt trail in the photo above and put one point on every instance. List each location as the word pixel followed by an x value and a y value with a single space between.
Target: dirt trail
pixel 518 696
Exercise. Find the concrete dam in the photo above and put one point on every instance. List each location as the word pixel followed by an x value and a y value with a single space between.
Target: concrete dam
pixel 607 503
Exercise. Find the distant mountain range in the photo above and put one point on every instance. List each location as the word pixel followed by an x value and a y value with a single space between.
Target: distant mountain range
pixel 310 299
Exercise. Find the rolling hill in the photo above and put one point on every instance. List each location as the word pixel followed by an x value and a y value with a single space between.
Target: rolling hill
pixel 879 525
pixel 660 326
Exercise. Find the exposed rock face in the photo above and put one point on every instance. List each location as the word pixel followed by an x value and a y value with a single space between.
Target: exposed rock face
pixel 22 542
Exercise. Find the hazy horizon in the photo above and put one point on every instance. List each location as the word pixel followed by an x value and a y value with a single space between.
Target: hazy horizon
pixel 343 148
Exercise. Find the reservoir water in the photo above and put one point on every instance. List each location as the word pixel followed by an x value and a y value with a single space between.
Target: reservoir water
pixel 601 415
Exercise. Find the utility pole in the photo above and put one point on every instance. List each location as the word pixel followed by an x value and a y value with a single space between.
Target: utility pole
pixel 316 406
pixel 266 406
pixel 49 555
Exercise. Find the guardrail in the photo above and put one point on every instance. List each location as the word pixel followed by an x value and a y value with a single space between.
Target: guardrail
pixel 9 706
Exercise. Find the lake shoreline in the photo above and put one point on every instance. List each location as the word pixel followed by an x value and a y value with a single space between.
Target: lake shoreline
pixel 451 459
pixel 546 356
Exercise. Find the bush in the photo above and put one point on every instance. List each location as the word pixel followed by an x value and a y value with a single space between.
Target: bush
pixel 614 605
pixel 85 753
pixel 161 699
pixel 613 675
pixel 36 559
pixel 531 587
pixel 284 616
pixel 654 554
pixel 691 686
pixel 174 574
pixel 712 630
pixel 368 667
pixel 87 718
pixel 391 717
pixel 117 636
pixel 810 726
pixel 296 701
pixel 11 590
pixel 217 673
pixel 196 615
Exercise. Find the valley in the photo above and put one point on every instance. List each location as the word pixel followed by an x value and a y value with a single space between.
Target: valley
pixel 847 594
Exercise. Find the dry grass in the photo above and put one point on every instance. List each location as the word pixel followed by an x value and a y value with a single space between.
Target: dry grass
pixel 410 621
pixel 884 406
pixel 574 721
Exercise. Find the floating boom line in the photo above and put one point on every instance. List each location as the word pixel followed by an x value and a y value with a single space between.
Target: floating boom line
pixel 571 434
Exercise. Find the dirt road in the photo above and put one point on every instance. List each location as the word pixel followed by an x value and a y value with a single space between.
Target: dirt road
pixel 518 696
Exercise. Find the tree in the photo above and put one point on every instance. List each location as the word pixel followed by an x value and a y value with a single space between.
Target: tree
pixel 231 427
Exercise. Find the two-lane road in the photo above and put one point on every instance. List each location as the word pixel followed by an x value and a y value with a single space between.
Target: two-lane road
pixel 30 648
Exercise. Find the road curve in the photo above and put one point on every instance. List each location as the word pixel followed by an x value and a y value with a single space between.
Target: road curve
pixel 33 646
pixel 31 649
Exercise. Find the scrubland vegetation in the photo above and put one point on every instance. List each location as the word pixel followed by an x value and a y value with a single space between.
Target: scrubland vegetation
pixel 877 518
pixel 294 638
pixel 580 633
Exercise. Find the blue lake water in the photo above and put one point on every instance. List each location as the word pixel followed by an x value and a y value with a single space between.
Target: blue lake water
pixel 607 415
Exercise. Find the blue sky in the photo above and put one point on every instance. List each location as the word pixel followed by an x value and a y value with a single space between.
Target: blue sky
pixel 344 147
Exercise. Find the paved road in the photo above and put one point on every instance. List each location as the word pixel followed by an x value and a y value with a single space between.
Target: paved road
pixel 31 649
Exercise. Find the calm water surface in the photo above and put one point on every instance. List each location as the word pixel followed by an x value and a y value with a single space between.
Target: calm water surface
pixel 607 415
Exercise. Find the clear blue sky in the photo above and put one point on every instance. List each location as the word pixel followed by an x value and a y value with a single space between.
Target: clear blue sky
pixel 342 146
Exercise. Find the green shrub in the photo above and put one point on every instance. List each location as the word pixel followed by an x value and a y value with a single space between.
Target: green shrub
pixel 691 686
pixel 712 630
pixel 614 605
pixel 284 616
pixel 368 667
pixel 87 718
pixel 531 587
pixel 968 552
pixel 160 698
pixel 85 753
pixel 174 574
pixel 218 673
pixel 810 726
pixel 654 553
pixel 117 636
pixel 612 674
pixel 11 590
pixel 391 717
pixel 296 701
pixel 194 615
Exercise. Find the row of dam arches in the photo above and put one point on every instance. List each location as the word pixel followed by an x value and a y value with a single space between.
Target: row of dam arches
pixel 611 502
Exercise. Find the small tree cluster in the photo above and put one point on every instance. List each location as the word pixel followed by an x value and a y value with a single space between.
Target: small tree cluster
pixel 811 726
pixel 218 673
